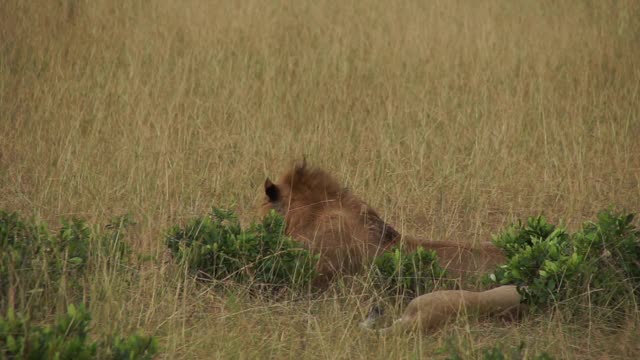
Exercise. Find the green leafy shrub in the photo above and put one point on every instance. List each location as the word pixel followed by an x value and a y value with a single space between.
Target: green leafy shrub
pixel 550 265
pixel 67 338
pixel 64 340
pixel 36 265
pixel 218 247
pixel 72 244
pixel 517 237
pixel 408 274
pixel 32 260
pixel 610 248
pixel 540 257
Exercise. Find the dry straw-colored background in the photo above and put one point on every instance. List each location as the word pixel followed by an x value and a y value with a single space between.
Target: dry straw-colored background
pixel 453 118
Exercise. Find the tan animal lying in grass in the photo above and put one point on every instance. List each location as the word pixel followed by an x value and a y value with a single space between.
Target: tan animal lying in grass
pixel 348 233
pixel 433 310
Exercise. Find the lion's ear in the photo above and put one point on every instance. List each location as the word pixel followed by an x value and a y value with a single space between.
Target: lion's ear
pixel 272 191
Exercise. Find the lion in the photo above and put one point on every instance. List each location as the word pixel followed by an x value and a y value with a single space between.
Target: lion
pixel 347 233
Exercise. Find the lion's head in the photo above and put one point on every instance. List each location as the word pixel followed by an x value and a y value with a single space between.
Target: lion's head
pixel 300 188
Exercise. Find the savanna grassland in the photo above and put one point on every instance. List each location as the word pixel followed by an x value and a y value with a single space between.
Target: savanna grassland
pixel 453 118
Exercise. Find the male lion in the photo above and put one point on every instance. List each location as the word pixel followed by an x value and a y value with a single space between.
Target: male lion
pixel 347 233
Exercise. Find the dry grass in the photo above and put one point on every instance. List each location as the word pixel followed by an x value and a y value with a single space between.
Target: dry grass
pixel 452 117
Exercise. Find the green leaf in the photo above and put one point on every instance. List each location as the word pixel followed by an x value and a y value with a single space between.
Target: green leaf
pixel 76 261
pixel 72 311
pixel 12 345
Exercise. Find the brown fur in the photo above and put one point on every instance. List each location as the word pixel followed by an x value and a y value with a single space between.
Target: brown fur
pixel 348 233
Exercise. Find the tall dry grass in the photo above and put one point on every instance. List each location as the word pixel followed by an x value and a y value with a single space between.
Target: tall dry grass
pixel 452 117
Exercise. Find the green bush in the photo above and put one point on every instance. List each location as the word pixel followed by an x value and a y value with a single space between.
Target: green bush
pixel 610 248
pixel 36 265
pixel 601 262
pixel 67 338
pixel 517 237
pixel 64 340
pixel 218 247
pixel 409 274
pixel 540 257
